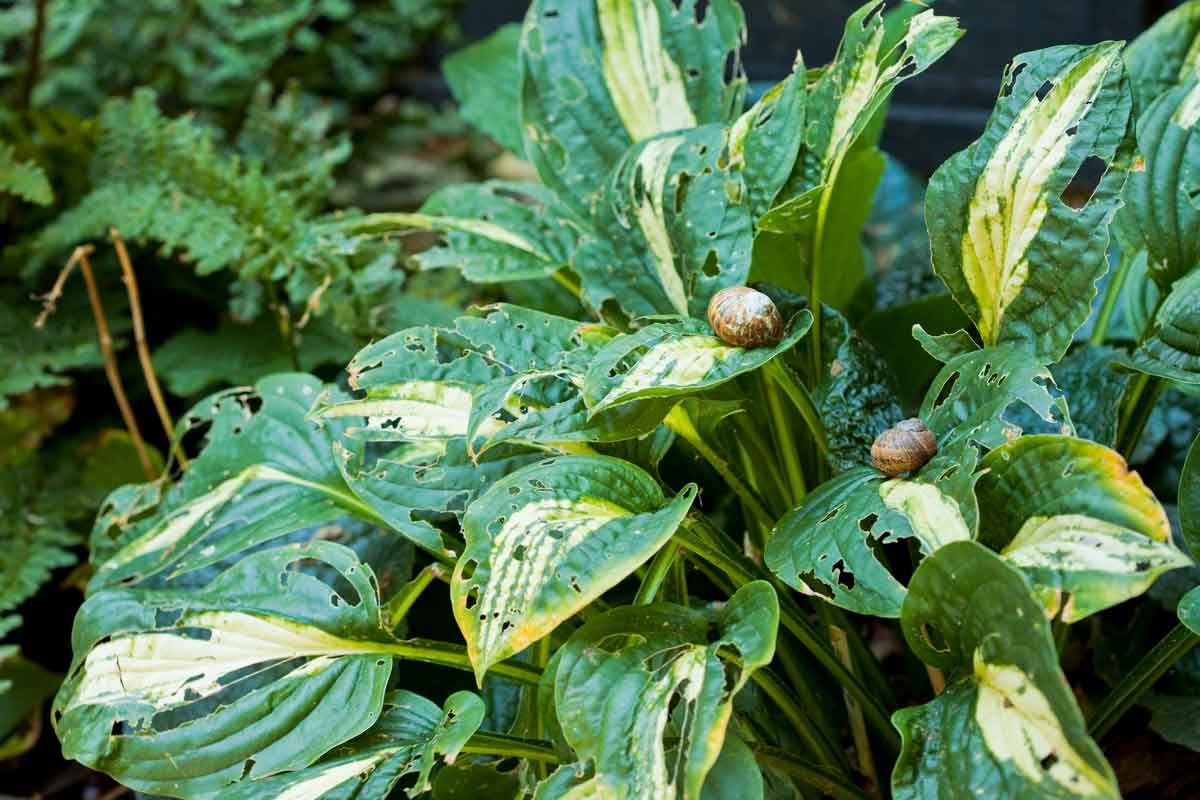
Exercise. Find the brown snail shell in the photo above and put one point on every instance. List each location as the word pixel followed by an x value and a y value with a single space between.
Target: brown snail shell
pixel 904 447
pixel 745 317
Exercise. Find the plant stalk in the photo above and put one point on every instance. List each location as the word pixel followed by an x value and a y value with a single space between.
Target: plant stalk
pixel 657 573
pixel 504 746
pixel 33 66
pixel 1174 646
pixel 819 778
pixel 1112 293
pixel 1144 395
pixel 802 400
pixel 445 654
pixel 785 441
pixel 805 727
pixel 396 609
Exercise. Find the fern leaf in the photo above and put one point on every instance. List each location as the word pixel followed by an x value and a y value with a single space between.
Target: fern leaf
pixel 25 179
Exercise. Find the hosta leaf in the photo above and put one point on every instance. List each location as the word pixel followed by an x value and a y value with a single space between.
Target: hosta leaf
pixel 1171 349
pixel 672 226
pixel 1162 199
pixel 485 80
pixel 617 679
pixel 408 737
pixel 674 359
pixel 1189 498
pixel 1166 54
pixel 1084 529
pixel 1189 611
pixel 1007 724
pixel 1020 261
pixel 945 347
pixel 599 75
pixel 975 395
pixel 265 471
pixel 831 544
pixel 498 231
pixel 765 139
pixel 185 692
pixel 1093 389
pixel 545 541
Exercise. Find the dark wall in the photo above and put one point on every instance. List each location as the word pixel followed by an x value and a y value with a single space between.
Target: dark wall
pixel 936 113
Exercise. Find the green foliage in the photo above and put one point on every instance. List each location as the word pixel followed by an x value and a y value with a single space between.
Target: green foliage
pixel 25 179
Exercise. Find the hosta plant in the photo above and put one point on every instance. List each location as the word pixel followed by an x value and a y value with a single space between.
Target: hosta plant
pixel 673 566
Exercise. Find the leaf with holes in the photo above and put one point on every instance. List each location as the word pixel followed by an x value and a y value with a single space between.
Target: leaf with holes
pixel 1020 261
pixel 1171 349
pixel 264 471
pixel 598 76
pixel 674 359
pixel 189 692
pixel 1085 530
pixel 672 226
pixel 1162 199
pixel 547 540
pixel 764 141
pixel 617 680
pixel 408 738
pixel 1007 723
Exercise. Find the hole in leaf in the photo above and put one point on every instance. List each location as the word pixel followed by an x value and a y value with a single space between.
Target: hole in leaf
pixel 711 268
pixel 468 569
pixel 866 523
pixel 1011 79
pixel 934 638
pixel 944 393
pixel 1083 185
pixel 1049 761
pixel 845 578
pixel 1044 90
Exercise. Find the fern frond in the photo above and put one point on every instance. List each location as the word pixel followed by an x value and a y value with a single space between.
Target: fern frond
pixel 34 541
pixel 25 179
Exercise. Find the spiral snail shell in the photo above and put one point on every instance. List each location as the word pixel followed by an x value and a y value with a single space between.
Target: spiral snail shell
pixel 904 447
pixel 745 317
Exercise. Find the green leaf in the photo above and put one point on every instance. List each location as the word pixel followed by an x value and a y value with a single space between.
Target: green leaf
pixel 735 775
pixel 599 76
pixel 1007 723
pixel 35 535
pixel 674 359
pixel 1020 261
pixel 937 313
pixel 25 179
pixel 1093 390
pixel 1189 611
pixel 485 80
pixel 549 539
pixel 764 141
pixel 944 347
pixel 1171 348
pixel 498 231
pixel 1165 54
pixel 1189 498
pixel 974 396
pixel 617 679
pixel 1162 199
pixel 1084 529
pixel 408 737
pixel 672 226
pixel 24 687
pixel 185 692
pixel 265 471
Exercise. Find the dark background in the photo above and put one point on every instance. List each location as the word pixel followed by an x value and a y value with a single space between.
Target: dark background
pixel 940 111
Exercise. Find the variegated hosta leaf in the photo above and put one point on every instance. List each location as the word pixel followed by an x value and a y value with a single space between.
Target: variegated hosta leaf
pixel 408 738
pixel 547 540
pixel 1171 348
pixel 1166 54
pixel 187 692
pixel 763 143
pixel 1007 724
pixel 1019 260
pixel 674 359
pixel 672 226
pixel 1084 529
pixel 976 395
pixel 617 680
pixel 264 472
pixel 831 545
pixel 1162 199
pixel 498 231
pixel 601 75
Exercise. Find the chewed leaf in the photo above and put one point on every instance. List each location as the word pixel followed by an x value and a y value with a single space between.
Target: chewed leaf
pixel 674 359
pixel 408 738
pixel 599 76
pixel 1172 348
pixel 1080 565
pixel 970 400
pixel 764 141
pixel 1007 725
pixel 498 231
pixel 1020 261
pixel 1046 475
pixel 672 226
pixel 1162 200
pixel 547 540
pixel 831 545
pixel 171 678
pixel 264 472
pixel 619 677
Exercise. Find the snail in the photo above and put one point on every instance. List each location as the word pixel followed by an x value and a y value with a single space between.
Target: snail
pixel 745 317
pixel 903 448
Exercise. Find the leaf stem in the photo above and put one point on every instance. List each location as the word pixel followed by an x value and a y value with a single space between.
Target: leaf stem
pixel 805 726
pixel 396 609
pixel 563 279
pixel 802 400
pixel 1112 293
pixel 1144 394
pixel 657 573
pixel 34 64
pixel 1174 646
pixel 786 444
pixel 820 778
pixel 858 728
pixel 679 421
pixel 445 654
pixel 499 744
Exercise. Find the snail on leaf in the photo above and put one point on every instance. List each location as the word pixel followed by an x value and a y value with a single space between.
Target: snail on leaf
pixel 905 447
pixel 745 317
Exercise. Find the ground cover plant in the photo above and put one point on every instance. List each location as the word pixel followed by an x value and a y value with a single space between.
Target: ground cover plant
pixel 809 490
